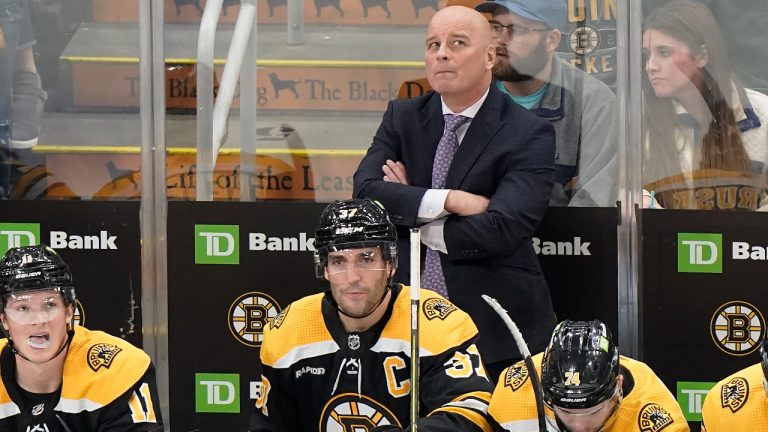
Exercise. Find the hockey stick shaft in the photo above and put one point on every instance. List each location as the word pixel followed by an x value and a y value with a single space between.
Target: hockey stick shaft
pixel 415 299
pixel 523 348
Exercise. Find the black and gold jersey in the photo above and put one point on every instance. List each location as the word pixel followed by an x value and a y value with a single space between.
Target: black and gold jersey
pixel 737 403
pixel 647 406
pixel 318 377
pixel 108 386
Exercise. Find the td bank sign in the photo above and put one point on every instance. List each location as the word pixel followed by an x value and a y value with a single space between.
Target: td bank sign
pixel 699 253
pixel 18 234
pixel 704 253
pixel 217 244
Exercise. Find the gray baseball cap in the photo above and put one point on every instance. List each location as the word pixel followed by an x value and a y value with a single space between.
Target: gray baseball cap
pixel 550 12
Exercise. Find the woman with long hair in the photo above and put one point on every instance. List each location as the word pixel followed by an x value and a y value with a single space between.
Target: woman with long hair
pixel 705 136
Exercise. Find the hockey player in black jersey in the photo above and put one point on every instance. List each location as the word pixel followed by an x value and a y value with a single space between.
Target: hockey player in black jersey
pixel 340 360
pixel 58 377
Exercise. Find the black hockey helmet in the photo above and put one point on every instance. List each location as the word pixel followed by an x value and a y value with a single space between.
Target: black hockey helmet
pixel 34 268
pixel 580 366
pixel 354 224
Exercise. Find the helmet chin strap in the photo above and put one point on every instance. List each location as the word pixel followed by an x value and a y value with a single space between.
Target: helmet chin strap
pixel 70 334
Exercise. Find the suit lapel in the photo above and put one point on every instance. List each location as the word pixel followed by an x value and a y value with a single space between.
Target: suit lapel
pixel 428 137
pixel 482 129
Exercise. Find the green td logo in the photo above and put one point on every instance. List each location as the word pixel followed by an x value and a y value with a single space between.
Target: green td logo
pixel 217 393
pixel 18 234
pixel 690 397
pixel 217 244
pixel 699 253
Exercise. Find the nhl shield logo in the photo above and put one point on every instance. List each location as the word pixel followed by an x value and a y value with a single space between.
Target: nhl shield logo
pixel 734 394
pixel 353 341
pixel 438 308
pixel 102 355
pixel 654 418
pixel 516 376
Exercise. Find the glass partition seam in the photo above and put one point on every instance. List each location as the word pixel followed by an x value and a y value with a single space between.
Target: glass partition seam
pixel 628 36
pixel 153 197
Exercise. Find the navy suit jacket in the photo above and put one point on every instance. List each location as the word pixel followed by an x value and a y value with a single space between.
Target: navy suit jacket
pixel 508 155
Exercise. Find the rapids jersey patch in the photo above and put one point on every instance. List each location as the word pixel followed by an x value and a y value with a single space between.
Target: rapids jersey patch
pixel 516 376
pixel 438 308
pixel 653 418
pixel 102 355
pixel 734 394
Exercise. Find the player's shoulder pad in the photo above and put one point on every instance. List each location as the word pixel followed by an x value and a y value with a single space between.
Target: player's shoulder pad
pixel 732 392
pixel 99 368
pixel 7 406
pixel 442 325
pixel 299 325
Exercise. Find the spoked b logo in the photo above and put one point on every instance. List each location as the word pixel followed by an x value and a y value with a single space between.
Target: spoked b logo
pixel 699 253
pixel 18 234
pixel 217 244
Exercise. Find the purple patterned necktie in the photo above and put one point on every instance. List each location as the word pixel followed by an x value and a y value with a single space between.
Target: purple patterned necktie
pixel 433 271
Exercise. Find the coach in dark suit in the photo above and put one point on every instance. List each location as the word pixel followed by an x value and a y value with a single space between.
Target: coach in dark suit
pixel 478 222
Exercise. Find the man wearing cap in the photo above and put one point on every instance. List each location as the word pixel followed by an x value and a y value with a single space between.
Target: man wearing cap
pixel 581 108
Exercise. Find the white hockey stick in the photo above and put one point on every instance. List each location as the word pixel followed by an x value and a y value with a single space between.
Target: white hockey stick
pixel 523 348
pixel 415 299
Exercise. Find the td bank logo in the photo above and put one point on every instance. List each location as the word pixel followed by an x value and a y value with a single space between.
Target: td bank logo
pixel 18 234
pixel 217 244
pixel 690 397
pixel 217 393
pixel 699 253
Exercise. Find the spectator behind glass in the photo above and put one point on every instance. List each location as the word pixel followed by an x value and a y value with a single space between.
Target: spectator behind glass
pixel 705 135
pixel 580 108
pixel 740 23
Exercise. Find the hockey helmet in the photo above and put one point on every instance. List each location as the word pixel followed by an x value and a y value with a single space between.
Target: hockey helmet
pixel 35 268
pixel 580 366
pixel 354 224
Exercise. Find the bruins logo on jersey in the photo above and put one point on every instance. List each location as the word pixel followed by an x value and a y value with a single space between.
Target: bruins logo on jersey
pixel 438 308
pixel 737 327
pixel 249 314
pixel 278 321
pixel 516 376
pixel 734 394
pixel 349 412
pixel 654 418
pixel 102 355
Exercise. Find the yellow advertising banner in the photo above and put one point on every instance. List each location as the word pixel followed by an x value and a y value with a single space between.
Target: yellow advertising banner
pixel 278 88
pixel 339 12
pixel 285 175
